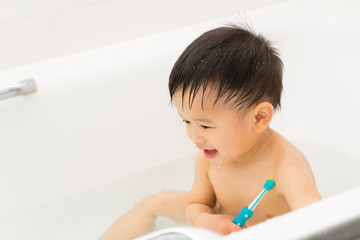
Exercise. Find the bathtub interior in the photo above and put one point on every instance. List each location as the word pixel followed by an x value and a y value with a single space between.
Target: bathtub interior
pixel 86 215
pixel 71 162
pixel 94 210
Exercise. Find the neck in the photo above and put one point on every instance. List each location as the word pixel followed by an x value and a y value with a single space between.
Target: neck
pixel 261 145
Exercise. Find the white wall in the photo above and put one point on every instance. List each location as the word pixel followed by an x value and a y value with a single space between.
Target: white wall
pixel 36 30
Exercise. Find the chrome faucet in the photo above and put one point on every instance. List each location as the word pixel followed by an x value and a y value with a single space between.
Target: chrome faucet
pixel 23 87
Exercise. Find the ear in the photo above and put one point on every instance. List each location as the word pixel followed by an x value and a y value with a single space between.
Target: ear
pixel 263 114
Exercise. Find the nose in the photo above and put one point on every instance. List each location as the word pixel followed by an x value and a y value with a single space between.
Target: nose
pixel 194 135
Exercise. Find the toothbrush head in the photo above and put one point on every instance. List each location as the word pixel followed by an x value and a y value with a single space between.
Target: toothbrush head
pixel 269 184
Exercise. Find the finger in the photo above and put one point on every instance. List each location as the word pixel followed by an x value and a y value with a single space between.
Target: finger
pixel 234 228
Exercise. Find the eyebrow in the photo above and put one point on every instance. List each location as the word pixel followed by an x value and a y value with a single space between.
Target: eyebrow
pixel 204 120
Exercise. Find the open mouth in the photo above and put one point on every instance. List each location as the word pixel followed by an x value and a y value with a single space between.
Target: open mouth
pixel 210 153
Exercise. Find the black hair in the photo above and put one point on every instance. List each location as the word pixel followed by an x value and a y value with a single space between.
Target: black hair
pixel 234 61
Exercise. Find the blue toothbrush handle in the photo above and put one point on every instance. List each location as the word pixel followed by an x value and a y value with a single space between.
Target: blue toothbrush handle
pixel 247 212
pixel 244 215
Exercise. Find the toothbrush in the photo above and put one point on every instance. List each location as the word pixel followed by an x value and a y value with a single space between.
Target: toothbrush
pixel 247 212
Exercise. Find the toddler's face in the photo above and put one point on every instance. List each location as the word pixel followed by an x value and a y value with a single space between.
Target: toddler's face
pixel 218 131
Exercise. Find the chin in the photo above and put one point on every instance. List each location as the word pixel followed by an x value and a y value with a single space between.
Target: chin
pixel 218 160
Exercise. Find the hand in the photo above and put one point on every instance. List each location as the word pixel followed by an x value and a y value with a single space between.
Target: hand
pixel 219 223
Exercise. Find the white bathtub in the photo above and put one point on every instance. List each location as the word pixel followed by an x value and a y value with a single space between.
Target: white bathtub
pixel 99 134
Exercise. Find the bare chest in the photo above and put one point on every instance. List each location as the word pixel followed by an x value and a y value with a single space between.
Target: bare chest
pixel 236 188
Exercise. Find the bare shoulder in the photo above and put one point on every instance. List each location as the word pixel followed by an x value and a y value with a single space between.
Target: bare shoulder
pixel 295 179
pixel 290 158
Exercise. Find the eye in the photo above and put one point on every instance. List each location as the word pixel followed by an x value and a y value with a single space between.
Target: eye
pixel 186 121
pixel 205 127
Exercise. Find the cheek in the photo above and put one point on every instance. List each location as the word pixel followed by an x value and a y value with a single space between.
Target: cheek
pixel 236 141
pixel 228 143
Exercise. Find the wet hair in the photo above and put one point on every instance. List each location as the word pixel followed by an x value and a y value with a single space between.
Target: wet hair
pixel 239 65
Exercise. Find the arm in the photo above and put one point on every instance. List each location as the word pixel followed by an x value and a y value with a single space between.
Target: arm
pixel 202 200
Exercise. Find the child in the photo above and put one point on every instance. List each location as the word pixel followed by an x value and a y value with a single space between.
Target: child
pixel 226 86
